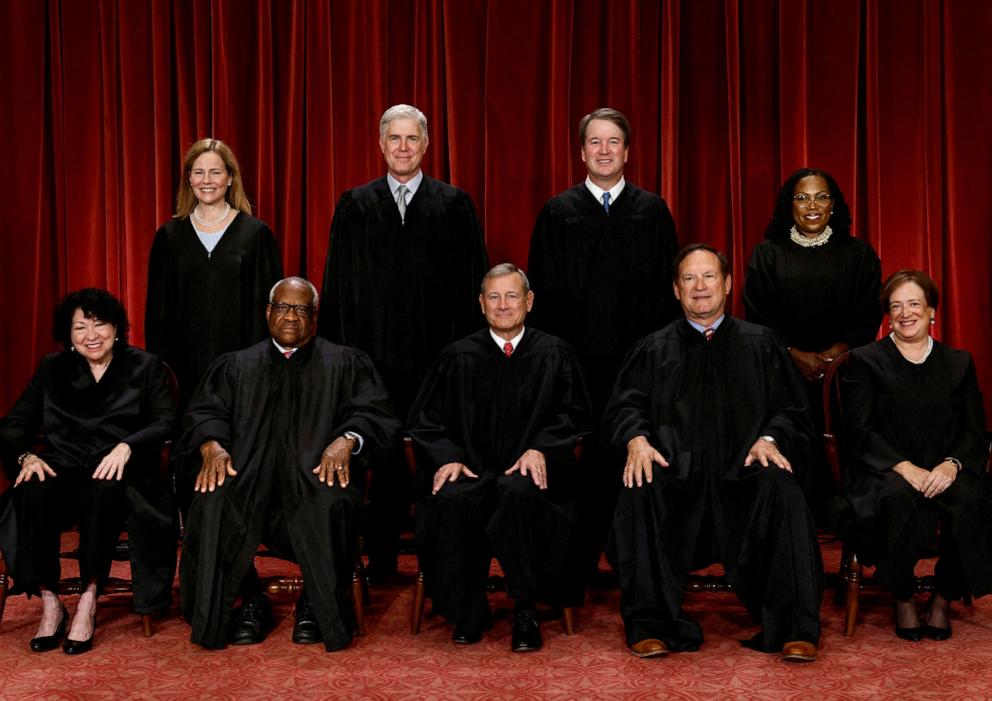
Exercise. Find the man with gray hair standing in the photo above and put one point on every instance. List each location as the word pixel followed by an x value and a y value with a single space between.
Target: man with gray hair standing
pixel 405 258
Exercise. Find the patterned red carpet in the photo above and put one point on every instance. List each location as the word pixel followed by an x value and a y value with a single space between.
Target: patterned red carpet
pixel 389 663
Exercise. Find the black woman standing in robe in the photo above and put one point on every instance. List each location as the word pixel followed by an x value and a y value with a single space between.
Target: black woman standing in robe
pixel 814 284
pixel 916 434
pixel 211 269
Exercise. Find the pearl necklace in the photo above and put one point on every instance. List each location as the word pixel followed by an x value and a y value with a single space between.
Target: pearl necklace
pixel 203 222
pixel 807 242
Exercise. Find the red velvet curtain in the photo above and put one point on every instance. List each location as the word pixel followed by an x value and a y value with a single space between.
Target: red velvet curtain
pixel 101 99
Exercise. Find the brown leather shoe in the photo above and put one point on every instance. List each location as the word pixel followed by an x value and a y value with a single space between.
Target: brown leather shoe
pixel 649 647
pixel 799 651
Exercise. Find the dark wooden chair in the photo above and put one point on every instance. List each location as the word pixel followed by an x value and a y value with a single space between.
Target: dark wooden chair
pixel 277 585
pixel 114 585
pixel 496 582
pixel 851 578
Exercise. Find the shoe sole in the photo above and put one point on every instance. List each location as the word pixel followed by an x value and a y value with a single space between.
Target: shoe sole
pixel 799 658
pixel 650 653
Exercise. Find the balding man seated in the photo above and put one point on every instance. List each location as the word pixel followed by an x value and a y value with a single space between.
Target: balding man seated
pixel 712 414
pixel 269 435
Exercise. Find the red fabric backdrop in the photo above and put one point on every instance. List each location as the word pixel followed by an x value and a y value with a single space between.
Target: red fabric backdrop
pixel 101 98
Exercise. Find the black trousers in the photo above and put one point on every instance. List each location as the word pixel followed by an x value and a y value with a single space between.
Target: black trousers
pixel 469 521
pixel 905 530
pixel 45 509
pixel 769 551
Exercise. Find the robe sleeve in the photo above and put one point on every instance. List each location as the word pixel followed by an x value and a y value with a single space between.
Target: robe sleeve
pixel 628 413
pixel 432 418
pixel 670 307
pixel 337 320
pixel 867 442
pixel 18 428
pixel 571 414
pixel 969 444
pixel 866 281
pixel 476 264
pixel 158 406
pixel 160 298
pixel 266 272
pixel 760 290
pixel 544 272
pixel 208 414
pixel 366 408
pixel 788 419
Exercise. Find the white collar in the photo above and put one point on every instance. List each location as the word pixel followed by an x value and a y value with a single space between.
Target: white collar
pixel 500 341
pixel 411 185
pixel 597 191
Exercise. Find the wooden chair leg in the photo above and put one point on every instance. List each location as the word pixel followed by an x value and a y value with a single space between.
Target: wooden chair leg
pixel 567 615
pixel 358 600
pixel 146 625
pixel 853 592
pixel 417 612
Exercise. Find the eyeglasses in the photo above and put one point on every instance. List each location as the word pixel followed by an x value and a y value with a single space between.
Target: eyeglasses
pixel 304 311
pixel 818 198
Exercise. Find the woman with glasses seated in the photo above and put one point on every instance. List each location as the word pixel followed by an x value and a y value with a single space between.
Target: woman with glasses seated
pixel 210 269
pixel 103 410
pixel 815 284
pixel 915 434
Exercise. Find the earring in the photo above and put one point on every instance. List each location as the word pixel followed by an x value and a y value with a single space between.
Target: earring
pixel 932 321
pixel 117 338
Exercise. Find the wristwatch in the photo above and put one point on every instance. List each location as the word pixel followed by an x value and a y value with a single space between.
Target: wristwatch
pixel 22 458
pixel 770 439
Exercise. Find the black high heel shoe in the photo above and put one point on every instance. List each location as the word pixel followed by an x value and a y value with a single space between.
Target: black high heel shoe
pixel 913 635
pixel 933 632
pixel 78 647
pixel 44 643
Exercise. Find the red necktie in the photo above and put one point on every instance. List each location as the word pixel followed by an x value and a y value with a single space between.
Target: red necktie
pixel 288 353
pixel 708 332
pixel 507 349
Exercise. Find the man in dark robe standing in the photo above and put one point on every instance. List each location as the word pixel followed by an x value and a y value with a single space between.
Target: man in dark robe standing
pixel 495 426
pixel 717 405
pixel 601 264
pixel 405 259
pixel 269 436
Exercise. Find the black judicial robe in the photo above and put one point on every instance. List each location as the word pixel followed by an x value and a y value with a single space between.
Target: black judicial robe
pixel 483 409
pixel 895 410
pixel 601 281
pixel 200 305
pixel 703 405
pixel 815 297
pixel 81 420
pixel 401 292
pixel 275 416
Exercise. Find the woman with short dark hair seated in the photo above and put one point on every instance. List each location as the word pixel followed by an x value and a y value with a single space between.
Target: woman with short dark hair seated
pixel 915 427
pixel 103 410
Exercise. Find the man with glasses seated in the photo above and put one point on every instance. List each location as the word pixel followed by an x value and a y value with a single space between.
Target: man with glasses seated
pixel 713 418
pixel 269 437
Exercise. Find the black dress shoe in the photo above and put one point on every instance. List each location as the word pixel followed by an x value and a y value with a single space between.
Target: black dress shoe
pixel 526 632
pixel 77 647
pixel 305 629
pixel 44 643
pixel 935 633
pixel 251 622
pixel 462 636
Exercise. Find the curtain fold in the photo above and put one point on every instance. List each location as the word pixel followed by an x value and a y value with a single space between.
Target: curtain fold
pixel 726 97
